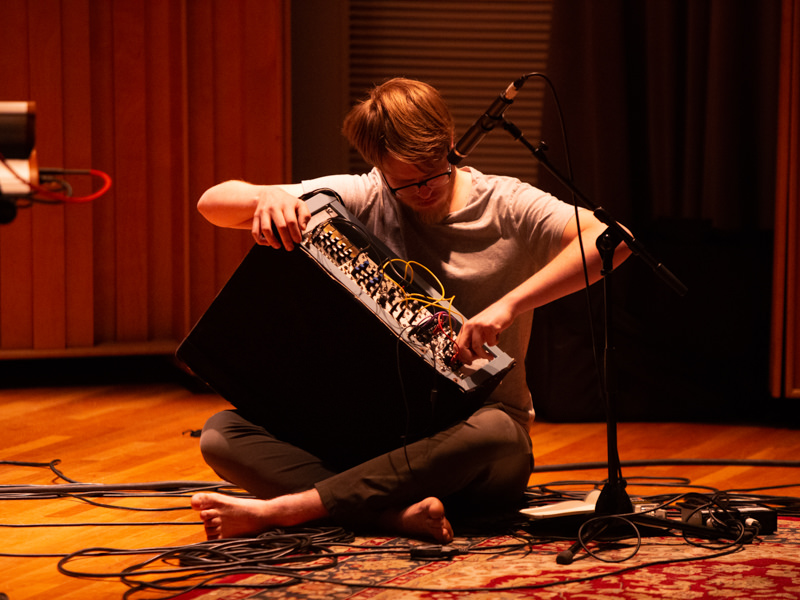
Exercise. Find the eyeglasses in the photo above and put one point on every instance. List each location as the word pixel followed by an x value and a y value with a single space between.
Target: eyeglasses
pixel 406 191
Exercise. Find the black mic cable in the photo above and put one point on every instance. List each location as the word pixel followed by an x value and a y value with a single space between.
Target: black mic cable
pixel 488 121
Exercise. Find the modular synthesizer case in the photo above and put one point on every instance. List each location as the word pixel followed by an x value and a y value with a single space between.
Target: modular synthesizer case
pixel 339 346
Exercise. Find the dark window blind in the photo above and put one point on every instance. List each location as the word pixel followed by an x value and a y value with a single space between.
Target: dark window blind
pixel 471 51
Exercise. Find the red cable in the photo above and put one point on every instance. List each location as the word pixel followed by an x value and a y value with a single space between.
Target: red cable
pixel 62 197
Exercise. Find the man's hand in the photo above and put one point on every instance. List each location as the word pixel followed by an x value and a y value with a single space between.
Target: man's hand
pixel 483 328
pixel 279 219
pixel 274 214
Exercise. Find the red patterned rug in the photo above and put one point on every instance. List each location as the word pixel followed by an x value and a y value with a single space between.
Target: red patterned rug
pixel 516 567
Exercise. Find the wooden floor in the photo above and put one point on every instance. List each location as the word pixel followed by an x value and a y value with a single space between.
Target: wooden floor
pixel 127 433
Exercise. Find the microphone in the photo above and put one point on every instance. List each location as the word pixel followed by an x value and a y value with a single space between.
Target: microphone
pixel 485 123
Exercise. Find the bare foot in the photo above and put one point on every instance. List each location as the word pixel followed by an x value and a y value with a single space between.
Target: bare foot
pixel 424 519
pixel 228 516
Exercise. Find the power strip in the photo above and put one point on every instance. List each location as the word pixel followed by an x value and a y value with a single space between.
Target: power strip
pixel 747 514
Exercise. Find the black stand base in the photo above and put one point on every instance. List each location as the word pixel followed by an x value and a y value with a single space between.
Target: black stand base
pixel 614 500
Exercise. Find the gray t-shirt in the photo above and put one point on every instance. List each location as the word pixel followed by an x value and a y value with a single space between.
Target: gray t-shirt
pixel 507 231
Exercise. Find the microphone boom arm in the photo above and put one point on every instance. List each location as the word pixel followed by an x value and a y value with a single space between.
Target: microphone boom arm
pixel 602 215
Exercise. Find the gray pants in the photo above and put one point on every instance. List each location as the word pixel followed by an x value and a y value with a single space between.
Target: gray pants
pixel 479 464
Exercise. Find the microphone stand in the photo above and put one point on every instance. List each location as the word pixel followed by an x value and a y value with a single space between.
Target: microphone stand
pixel 613 499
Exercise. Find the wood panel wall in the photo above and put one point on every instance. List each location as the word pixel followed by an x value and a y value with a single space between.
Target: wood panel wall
pixel 168 98
pixel 785 361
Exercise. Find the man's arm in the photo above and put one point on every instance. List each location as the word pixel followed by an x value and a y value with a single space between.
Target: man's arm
pixel 273 213
pixel 560 277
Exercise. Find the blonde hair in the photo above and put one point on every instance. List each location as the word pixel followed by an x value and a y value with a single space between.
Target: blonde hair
pixel 402 118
